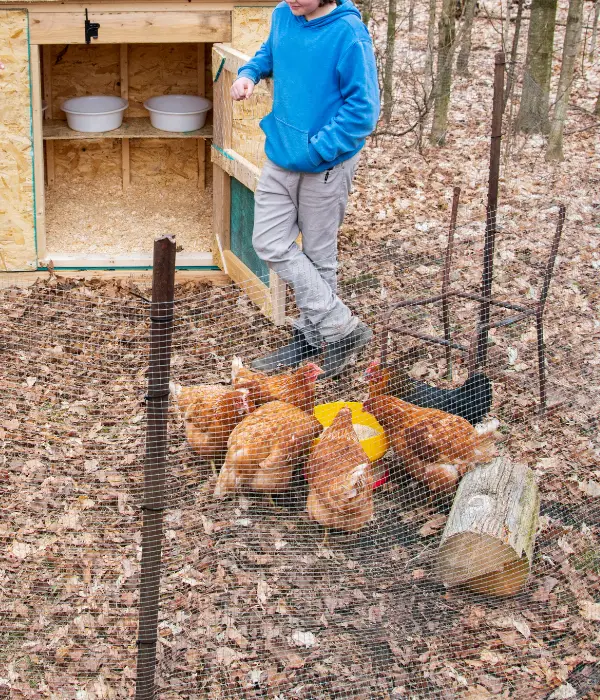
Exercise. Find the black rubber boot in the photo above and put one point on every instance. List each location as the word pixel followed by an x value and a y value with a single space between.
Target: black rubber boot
pixel 339 353
pixel 291 355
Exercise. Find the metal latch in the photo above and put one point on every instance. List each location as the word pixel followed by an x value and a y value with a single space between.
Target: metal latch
pixel 91 28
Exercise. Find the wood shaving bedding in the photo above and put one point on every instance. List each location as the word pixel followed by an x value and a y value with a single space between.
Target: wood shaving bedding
pixel 102 218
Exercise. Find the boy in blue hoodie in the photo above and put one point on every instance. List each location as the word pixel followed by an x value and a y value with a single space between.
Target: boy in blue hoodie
pixel 325 104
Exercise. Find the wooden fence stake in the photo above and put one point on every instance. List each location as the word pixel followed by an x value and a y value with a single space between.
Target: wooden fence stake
pixel 155 461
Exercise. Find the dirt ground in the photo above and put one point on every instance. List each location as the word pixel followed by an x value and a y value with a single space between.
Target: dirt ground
pixel 253 604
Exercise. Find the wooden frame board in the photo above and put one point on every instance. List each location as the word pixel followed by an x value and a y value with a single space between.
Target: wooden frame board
pixel 227 164
pixel 17 207
pixel 150 27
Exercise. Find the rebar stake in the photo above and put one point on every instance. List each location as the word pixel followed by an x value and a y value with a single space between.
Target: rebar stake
pixel 446 281
pixel 541 348
pixel 492 206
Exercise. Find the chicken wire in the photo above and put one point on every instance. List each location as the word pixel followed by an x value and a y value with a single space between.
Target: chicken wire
pixel 254 600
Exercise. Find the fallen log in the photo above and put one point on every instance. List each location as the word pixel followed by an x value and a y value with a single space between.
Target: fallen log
pixel 488 540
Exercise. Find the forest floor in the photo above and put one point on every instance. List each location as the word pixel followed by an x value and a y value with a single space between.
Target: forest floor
pixel 253 604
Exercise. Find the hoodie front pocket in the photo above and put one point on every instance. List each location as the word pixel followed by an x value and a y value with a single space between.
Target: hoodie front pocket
pixel 288 146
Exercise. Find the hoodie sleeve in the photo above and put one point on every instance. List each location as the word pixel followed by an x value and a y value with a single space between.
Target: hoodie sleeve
pixel 260 66
pixel 358 116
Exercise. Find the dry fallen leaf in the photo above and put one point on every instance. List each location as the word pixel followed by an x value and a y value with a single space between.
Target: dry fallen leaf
pixel 589 610
pixel 432 526
pixel 522 627
pixel 303 639
pixel 591 488
pixel 20 550
pixel 227 656
pixel 263 591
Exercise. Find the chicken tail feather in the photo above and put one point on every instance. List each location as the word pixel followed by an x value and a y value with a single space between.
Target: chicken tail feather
pixel 226 481
pixel 175 389
pixel 487 437
pixel 236 366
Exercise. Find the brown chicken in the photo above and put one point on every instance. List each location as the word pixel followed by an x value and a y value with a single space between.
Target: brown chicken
pixel 340 478
pixel 393 379
pixel 471 401
pixel 210 413
pixel 296 388
pixel 436 448
pixel 265 447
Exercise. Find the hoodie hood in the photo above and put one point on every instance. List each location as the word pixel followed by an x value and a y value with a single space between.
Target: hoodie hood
pixel 325 87
pixel 344 9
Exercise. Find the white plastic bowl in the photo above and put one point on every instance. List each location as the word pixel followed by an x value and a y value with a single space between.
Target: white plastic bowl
pixel 95 113
pixel 178 112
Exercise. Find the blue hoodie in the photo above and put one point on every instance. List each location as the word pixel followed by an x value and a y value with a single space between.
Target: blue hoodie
pixel 325 89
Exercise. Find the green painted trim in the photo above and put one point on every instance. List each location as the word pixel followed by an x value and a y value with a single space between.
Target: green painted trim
pixel 222 152
pixel 209 268
pixel 219 70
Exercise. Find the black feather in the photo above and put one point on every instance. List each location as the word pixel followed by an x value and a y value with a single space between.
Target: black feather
pixel 471 401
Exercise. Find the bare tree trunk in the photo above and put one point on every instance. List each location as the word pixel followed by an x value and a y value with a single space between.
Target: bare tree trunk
pixel 569 56
pixel 462 62
pixel 366 11
pixel 594 30
pixel 533 112
pixel 443 80
pixel 506 26
pixel 597 107
pixel 411 15
pixel 431 46
pixel 510 80
pixel 388 73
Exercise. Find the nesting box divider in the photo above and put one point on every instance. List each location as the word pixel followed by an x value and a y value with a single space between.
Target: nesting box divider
pixel 124 65
pixel 38 149
pixel 47 71
pixel 202 93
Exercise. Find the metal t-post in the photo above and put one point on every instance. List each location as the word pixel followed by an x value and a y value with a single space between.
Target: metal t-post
pixel 446 282
pixel 155 462
pixel 492 206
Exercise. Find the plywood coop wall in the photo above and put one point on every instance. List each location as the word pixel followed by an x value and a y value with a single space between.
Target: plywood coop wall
pixel 17 236
pixel 250 28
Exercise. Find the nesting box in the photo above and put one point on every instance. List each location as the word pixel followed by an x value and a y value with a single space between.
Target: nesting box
pixel 96 201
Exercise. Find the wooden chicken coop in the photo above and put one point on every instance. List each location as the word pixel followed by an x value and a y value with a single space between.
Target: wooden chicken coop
pixel 96 201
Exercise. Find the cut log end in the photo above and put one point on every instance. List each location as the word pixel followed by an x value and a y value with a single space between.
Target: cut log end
pixel 482 564
pixel 487 544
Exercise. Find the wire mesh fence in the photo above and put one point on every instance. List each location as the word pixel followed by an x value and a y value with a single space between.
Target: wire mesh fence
pixel 300 569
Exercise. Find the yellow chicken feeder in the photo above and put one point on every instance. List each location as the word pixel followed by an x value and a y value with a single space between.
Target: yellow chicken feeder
pixel 375 445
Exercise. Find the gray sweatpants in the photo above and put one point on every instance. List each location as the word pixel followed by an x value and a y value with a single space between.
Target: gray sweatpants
pixel 286 203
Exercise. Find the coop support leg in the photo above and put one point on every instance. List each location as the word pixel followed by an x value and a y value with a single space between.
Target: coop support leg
pixel 155 461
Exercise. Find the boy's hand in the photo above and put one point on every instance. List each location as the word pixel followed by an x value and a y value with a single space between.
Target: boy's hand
pixel 242 89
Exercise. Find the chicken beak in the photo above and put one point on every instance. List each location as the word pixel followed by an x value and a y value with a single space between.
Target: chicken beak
pixel 315 371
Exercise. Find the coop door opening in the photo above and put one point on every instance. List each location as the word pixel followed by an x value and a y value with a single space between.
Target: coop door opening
pixel 114 193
